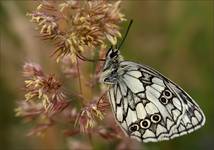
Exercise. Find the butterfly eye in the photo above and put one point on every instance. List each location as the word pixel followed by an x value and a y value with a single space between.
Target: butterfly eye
pixel 113 54
pixel 134 128
pixel 167 93
pixel 163 100
pixel 145 124
pixel 155 118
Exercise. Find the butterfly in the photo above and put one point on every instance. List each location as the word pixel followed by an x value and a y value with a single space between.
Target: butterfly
pixel 148 106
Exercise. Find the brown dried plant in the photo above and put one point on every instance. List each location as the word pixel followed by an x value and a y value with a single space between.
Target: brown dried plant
pixel 77 28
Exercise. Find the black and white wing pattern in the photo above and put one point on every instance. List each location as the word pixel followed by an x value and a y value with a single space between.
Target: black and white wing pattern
pixel 149 107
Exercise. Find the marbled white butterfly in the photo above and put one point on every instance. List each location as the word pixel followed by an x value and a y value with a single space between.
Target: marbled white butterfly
pixel 148 106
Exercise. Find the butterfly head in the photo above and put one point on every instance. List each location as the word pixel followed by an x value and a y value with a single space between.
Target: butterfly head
pixel 112 53
pixel 109 73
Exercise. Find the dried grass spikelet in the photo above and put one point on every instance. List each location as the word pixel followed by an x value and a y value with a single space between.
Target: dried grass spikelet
pixel 29 110
pixel 87 117
pixel 76 26
pixel 89 114
pixel 44 99
pixel 44 89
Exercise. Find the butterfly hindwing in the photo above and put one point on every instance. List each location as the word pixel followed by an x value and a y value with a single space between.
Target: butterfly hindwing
pixel 149 107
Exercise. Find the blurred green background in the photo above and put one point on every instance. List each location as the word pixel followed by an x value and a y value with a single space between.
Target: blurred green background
pixel 174 37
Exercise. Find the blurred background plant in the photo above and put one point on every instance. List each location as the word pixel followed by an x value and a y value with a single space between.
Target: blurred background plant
pixel 63 103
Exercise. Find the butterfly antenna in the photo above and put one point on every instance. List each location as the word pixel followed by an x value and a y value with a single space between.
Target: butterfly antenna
pixel 127 31
pixel 87 59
